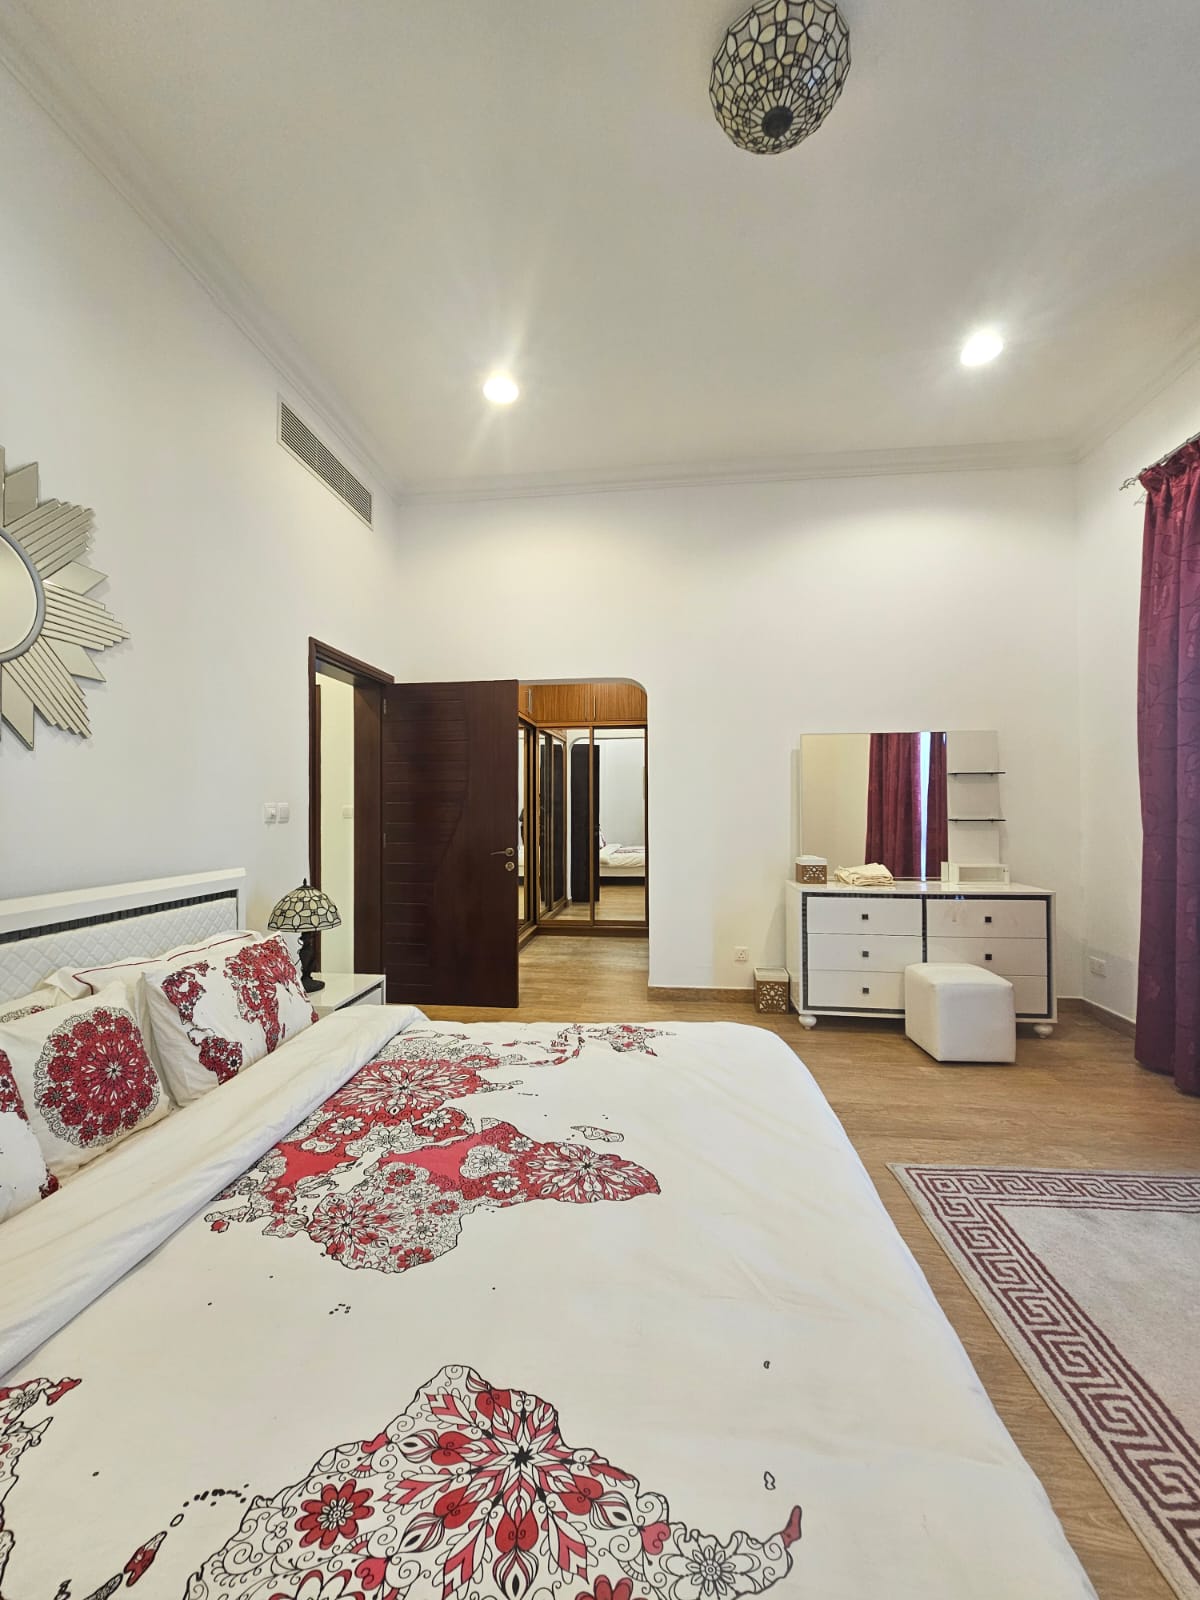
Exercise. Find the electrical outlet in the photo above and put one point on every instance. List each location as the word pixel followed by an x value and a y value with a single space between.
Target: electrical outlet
pixel 740 953
pixel 1098 967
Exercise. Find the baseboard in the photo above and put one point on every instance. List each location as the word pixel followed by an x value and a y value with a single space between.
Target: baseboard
pixel 724 996
pixel 1108 1019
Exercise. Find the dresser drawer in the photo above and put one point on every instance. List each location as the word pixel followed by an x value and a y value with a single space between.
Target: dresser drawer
pixel 1011 958
pixel 976 917
pixel 848 952
pixel 1031 996
pixel 856 991
pixel 862 914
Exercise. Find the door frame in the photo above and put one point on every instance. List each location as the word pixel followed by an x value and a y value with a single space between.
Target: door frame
pixel 368 683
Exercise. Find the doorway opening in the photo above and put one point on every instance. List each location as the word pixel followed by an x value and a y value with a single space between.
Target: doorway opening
pixel 345 710
pixel 582 808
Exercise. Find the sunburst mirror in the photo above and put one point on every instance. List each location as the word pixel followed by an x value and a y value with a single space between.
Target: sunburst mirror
pixel 48 625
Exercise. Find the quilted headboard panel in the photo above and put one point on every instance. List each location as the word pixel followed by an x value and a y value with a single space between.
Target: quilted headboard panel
pixel 38 936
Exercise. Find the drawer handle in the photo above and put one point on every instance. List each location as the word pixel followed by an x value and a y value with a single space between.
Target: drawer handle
pixel 987 919
pixel 866 916
pixel 866 953
pixel 988 956
pixel 866 988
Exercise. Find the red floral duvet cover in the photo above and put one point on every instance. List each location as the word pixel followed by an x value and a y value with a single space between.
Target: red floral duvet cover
pixel 594 1312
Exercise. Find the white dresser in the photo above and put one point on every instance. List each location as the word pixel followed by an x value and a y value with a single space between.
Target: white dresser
pixel 847 948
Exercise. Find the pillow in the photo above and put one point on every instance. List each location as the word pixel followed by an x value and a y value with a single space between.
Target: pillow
pixel 212 1017
pixel 84 1076
pixel 41 999
pixel 23 1174
pixel 75 982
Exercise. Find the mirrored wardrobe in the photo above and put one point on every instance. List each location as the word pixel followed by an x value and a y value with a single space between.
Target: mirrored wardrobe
pixel 583 749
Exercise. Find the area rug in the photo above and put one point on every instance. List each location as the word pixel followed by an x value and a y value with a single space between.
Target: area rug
pixel 1093 1280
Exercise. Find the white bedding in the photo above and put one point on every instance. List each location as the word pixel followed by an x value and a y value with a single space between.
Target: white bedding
pixel 622 858
pixel 655 1244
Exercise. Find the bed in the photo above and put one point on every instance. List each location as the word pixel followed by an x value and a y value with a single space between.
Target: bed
pixel 598 1312
pixel 621 862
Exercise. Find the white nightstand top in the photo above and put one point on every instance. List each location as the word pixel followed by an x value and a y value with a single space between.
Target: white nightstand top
pixel 347 989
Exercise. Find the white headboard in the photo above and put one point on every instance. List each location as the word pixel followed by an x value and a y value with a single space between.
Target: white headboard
pixel 87 927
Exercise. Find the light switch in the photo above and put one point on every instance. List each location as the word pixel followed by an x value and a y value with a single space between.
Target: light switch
pixel 347 813
pixel 270 812
pixel 285 810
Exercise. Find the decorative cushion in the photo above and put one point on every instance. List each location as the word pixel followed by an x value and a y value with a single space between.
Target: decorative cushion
pixel 79 981
pixel 213 1017
pixel 84 1077
pixel 23 1174
pixel 128 973
pixel 26 1005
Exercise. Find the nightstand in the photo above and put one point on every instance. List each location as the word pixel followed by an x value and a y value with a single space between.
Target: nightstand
pixel 344 989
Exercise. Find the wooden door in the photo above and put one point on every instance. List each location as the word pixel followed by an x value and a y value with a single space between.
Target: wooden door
pixel 449 844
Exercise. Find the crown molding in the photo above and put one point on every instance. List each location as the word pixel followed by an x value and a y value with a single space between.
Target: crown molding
pixel 28 53
pixel 910 462
pixel 1102 429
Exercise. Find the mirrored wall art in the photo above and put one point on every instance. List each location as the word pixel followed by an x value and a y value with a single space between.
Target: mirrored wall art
pixel 48 624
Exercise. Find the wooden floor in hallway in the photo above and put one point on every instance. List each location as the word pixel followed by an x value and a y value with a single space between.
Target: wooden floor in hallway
pixel 1074 1100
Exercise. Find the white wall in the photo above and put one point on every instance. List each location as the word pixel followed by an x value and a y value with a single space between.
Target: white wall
pixel 142 400
pixel 337 829
pixel 759 612
pixel 1110 555
pixel 763 612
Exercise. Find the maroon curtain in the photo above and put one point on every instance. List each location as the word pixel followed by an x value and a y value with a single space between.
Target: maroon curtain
pixel 1168 1011
pixel 894 803
pixel 937 834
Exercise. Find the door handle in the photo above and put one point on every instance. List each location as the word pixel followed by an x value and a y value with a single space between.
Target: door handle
pixel 509 852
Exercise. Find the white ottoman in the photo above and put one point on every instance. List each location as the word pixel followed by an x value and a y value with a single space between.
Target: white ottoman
pixel 959 1012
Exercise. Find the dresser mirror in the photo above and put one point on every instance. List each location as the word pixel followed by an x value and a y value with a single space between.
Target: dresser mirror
pixel 910 801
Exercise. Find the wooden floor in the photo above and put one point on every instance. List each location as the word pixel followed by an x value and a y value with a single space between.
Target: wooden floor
pixel 1075 1100
pixel 618 902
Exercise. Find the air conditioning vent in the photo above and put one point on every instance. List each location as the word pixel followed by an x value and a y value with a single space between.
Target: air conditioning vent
pixel 303 443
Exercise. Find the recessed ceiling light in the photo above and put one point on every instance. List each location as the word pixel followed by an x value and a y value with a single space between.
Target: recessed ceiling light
pixel 981 347
pixel 500 389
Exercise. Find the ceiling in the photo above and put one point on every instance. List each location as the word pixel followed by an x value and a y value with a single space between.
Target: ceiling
pixel 415 193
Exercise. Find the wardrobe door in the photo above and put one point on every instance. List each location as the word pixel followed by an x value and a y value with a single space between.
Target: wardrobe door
pixel 622 864
pixel 552 824
pixel 585 837
pixel 558 821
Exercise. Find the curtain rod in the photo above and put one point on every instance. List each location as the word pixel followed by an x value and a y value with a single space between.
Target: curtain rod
pixel 1161 462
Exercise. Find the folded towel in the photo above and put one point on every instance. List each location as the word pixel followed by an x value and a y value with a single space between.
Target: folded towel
pixel 872 876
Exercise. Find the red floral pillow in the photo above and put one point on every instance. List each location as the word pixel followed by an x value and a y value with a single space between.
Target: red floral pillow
pixel 25 1005
pixel 84 1077
pixel 223 1013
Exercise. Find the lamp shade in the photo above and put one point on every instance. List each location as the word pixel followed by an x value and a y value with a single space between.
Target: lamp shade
pixel 303 910
pixel 778 71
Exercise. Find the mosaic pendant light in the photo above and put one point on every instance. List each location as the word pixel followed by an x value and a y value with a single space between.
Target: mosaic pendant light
pixel 778 73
